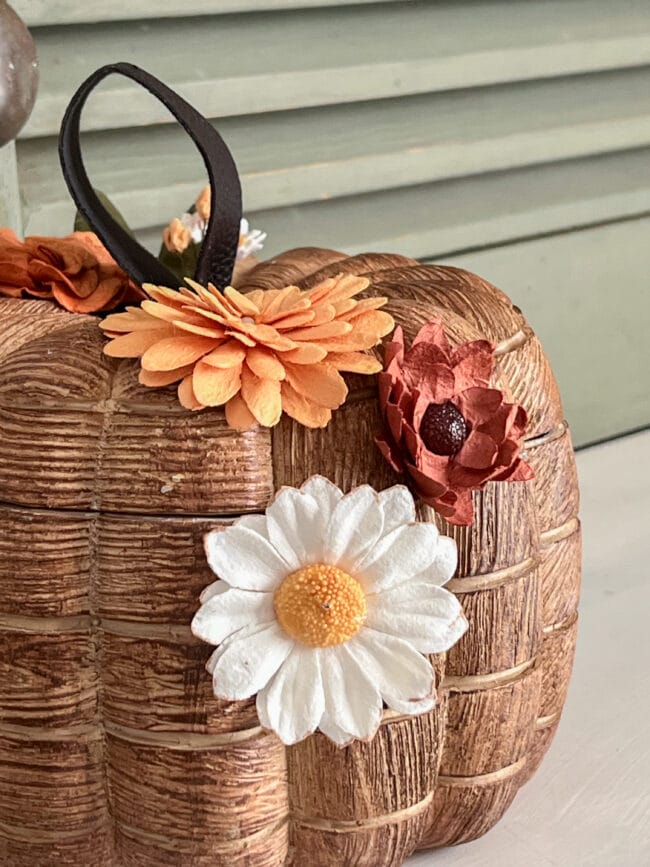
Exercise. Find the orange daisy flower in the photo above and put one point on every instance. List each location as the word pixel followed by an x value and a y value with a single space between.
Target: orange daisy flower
pixel 260 353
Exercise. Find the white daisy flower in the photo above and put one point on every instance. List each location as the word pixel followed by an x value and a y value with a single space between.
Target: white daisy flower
pixel 250 240
pixel 326 606
pixel 195 224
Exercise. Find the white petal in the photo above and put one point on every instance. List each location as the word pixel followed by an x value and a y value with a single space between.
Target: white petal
pixel 354 528
pixel 246 632
pixel 293 702
pixel 254 522
pixel 413 708
pixel 399 508
pixel 326 494
pixel 246 664
pixel 444 566
pixel 399 556
pixel 295 527
pixel 244 559
pixel 225 613
pixel 352 702
pixel 427 616
pixel 399 671
pixel 335 733
pixel 214 589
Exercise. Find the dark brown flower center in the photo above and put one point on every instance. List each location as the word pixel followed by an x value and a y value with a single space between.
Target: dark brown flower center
pixel 443 429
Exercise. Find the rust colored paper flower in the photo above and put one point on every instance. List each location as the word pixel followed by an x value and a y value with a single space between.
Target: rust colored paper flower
pixel 77 272
pixel 445 427
pixel 260 353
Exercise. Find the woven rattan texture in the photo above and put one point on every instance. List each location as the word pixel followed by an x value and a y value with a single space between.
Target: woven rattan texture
pixel 113 751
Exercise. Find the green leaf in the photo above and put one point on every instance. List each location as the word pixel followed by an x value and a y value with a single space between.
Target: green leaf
pixel 81 224
pixel 181 264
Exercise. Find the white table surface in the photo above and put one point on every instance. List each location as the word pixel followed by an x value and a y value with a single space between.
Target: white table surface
pixel 589 803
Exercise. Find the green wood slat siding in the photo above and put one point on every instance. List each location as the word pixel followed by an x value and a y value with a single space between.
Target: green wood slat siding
pixel 444 218
pixel 318 153
pixel 40 12
pixel 242 64
pixel 586 294
pixel 428 128
pixel 10 205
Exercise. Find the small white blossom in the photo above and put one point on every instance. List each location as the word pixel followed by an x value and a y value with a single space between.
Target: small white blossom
pixel 195 224
pixel 250 240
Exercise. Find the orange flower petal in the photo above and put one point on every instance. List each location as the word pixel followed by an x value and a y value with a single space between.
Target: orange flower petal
pixel 242 302
pixel 97 300
pixel 257 297
pixel 186 395
pixel 11 291
pixel 169 297
pixel 277 300
pixel 291 307
pixel 214 386
pixel 134 319
pixel 200 297
pixel 339 288
pixel 265 363
pixel 367 304
pixel 229 354
pixel 337 328
pixel 210 315
pixel 160 378
pixel 165 312
pixel 321 383
pixel 134 344
pixel 238 415
pixel 262 397
pixel 243 338
pixel 354 362
pixel 294 319
pixel 199 329
pixel 303 410
pixel 344 307
pixel 368 329
pixel 304 353
pixel 176 352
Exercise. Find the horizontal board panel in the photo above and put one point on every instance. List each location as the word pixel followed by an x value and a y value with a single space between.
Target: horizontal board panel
pixel 10 204
pixel 586 294
pixel 436 219
pixel 244 64
pixel 289 158
pixel 39 12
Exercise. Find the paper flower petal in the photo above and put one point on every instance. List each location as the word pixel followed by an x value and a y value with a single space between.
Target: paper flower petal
pixel 392 663
pixel 244 559
pixel 248 662
pixel 352 702
pixel 399 556
pixel 398 507
pixel 428 617
pixel 355 526
pixel 223 614
pixel 293 703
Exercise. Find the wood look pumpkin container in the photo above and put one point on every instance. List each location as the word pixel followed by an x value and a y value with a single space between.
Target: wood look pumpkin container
pixel 113 750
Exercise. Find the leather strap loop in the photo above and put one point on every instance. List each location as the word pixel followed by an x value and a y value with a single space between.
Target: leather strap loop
pixel 219 249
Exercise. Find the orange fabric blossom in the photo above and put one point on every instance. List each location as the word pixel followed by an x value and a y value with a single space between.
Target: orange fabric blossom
pixel 445 427
pixel 259 353
pixel 77 272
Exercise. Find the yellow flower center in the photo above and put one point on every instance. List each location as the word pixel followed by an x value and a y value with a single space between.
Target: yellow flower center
pixel 320 605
